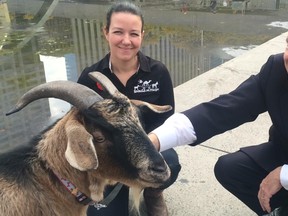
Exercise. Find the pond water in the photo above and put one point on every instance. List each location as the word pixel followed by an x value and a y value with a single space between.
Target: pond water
pixel 41 41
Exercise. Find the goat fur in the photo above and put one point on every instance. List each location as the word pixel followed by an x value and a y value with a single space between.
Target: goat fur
pixel 100 146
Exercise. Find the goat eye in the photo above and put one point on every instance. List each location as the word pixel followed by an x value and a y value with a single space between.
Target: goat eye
pixel 99 139
pixel 98 136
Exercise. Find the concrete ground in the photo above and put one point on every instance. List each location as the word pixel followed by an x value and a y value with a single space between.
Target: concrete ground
pixel 197 192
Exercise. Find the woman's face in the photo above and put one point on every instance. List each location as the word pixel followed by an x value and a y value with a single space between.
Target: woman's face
pixel 124 36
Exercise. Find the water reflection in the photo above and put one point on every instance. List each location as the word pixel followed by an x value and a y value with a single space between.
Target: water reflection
pixel 41 41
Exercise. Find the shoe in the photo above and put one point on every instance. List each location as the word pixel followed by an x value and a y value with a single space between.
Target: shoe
pixel 155 203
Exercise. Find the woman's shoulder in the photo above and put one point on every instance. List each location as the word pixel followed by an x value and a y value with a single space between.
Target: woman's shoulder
pixel 98 66
pixel 150 64
pixel 149 59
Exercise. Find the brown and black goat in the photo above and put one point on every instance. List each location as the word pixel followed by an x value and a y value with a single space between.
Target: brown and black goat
pixel 97 143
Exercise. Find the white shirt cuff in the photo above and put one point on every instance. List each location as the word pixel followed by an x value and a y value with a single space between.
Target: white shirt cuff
pixel 175 131
pixel 284 176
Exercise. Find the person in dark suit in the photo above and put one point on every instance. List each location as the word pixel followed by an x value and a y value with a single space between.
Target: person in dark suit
pixel 257 175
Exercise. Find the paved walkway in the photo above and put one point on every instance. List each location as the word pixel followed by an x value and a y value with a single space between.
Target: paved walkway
pixel 197 192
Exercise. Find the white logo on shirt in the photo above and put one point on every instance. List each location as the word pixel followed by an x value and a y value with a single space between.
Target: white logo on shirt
pixel 146 86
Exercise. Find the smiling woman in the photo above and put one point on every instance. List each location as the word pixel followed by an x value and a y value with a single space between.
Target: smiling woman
pixel 138 77
pixel 124 36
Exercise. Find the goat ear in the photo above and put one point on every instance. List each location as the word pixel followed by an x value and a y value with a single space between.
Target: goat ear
pixel 153 107
pixel 80 152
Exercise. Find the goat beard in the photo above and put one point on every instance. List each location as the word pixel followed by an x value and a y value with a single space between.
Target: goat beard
pixel 97 190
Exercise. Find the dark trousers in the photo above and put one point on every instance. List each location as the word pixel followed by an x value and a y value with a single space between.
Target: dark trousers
pixel 120 205
pixel 242 175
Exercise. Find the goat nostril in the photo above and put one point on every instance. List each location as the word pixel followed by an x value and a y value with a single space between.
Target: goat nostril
pixel 157 168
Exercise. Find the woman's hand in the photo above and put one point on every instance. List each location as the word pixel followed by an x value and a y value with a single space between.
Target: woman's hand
pixel 154 140
pixel 268 187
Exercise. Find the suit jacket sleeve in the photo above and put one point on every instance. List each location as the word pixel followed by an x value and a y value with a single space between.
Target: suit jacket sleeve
pixel 229 111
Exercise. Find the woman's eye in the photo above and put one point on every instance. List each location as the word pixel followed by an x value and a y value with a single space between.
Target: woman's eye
pixel 135 35
pixel 117 32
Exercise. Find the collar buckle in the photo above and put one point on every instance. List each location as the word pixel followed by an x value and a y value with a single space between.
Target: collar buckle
pixel 98 205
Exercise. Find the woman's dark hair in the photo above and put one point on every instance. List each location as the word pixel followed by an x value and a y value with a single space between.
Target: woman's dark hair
pixel 123 7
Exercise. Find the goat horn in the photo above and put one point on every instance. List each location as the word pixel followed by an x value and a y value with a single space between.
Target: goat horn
pixel 102 79
pixel 76 94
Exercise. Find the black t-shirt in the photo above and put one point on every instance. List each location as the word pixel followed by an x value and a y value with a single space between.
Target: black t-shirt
pixel 152 83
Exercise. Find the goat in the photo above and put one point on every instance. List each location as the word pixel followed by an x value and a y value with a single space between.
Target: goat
pixel 97 143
